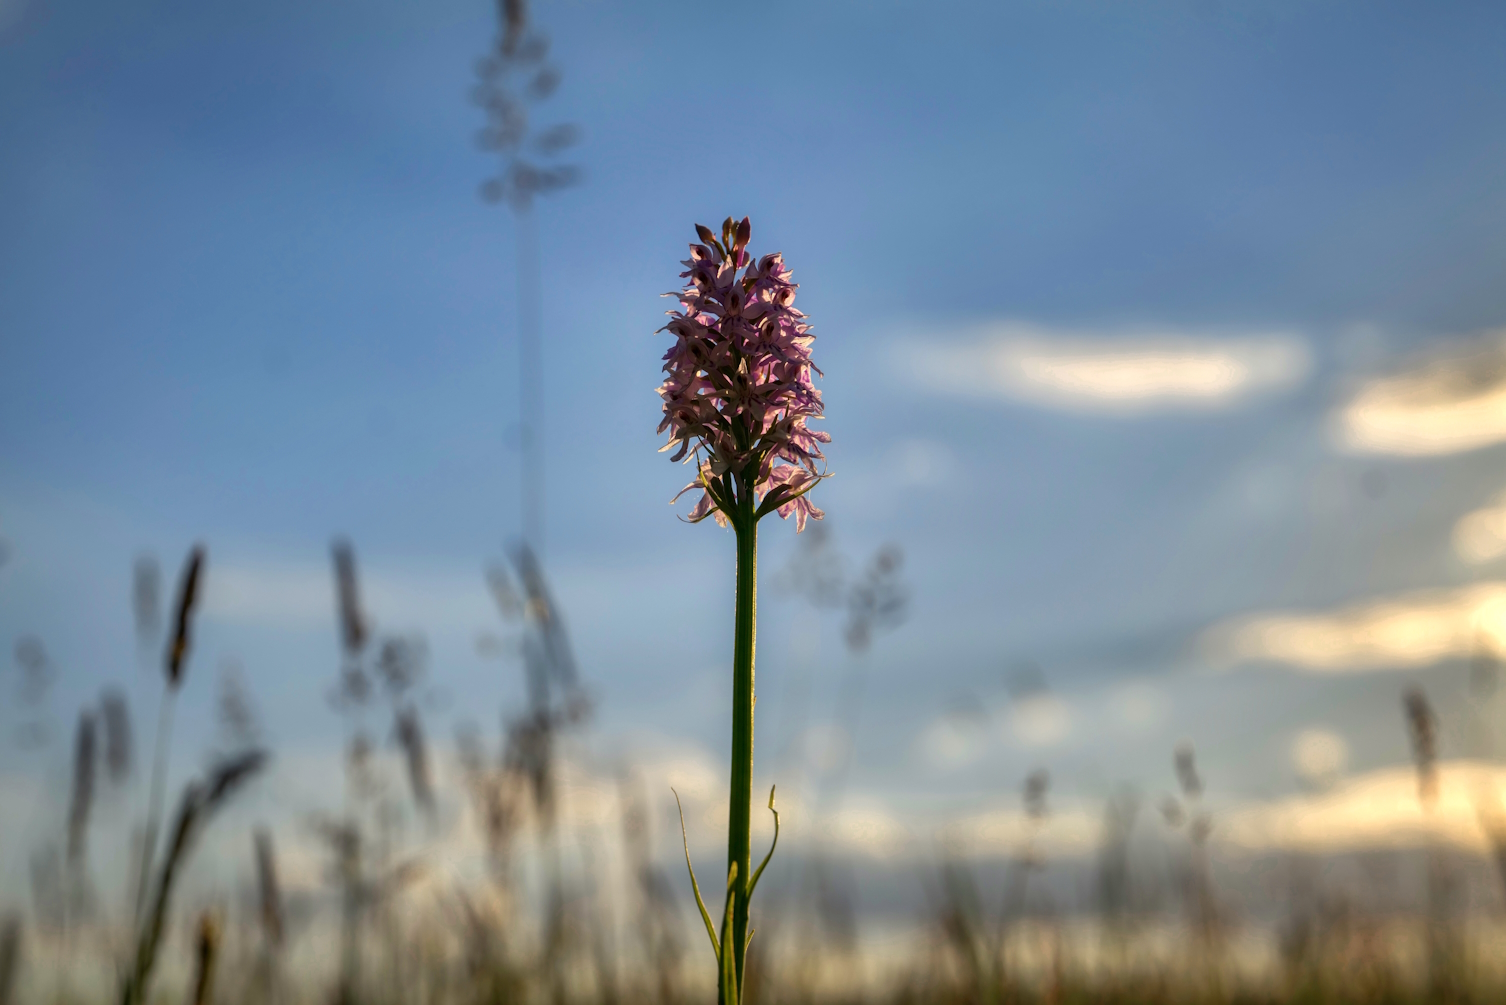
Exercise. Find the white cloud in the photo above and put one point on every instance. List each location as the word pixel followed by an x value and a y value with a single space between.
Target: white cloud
pixel 1480 536
pixel 401 596
pixel 1413 629
pixel 691 772
pixel 953 740
pixel 302 595
pixel 1066 830
pixel 1449 403
pixel 1039 720
pixel 866 827
pixel 826 746
pixel 1319 755
pixel 1138 706
pixel 270 595
pixel 1117 374
pixel 1376 810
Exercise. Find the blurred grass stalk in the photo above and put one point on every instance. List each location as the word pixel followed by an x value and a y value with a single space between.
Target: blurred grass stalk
pixel 208 951
pixel 174 666
pixel 1443 954
pixel 10 956
pixel 200 800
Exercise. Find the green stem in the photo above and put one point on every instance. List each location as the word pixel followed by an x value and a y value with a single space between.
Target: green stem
pixel 740 809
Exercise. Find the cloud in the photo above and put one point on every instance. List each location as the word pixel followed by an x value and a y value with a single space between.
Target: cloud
pixel 283 595
pixel 399 596
pixel 953 740
pixel 1447 403
pixel 826 746
pixel 1066 830
pixel 1406 630
pixel 1039 720
pixel 1319 755
pixel 965 733
pixel 1138 706
pixel 1480 536
pixel 1376 810
pixel 866 827
pixel 1116 374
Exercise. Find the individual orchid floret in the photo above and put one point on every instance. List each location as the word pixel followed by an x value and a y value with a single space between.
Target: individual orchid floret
pixel 739 389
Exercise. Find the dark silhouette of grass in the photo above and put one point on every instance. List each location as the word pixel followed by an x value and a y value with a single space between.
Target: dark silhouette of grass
pixel 199 802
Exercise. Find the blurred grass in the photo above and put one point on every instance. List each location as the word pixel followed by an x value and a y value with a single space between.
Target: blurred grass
pixel 544 919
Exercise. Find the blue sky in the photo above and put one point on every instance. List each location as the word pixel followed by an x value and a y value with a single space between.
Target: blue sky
pixel 249 295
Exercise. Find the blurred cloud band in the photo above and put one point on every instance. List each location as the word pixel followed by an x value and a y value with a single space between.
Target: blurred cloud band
pixel 1480 535
pixel 1403 631
pixel 1108 373
pixel 1450 401
pixel 1376 810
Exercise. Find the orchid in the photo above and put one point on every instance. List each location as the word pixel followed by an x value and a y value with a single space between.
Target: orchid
pixel 739 391
pixel 739 395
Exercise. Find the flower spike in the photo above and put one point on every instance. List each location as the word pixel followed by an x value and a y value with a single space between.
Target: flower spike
pixel 739 391
pixel 739 395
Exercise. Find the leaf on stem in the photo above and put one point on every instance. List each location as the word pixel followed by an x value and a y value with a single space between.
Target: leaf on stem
pixel 705 914
pixel 729 960
pixel 753 884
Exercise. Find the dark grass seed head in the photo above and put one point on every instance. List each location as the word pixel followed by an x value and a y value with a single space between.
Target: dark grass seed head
pixel 84 758
pixel 1422 725
pixel 188 594
pixel 410 737
pixel 353 628
pixel 1185 762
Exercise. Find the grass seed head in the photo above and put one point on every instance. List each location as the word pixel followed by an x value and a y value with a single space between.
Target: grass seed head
pixel 1422 725
pixel 188 595
pixel 353 630
pixel 1185 762
pixel 83 787
pixel 410 736
pixel 207 945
